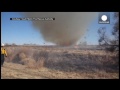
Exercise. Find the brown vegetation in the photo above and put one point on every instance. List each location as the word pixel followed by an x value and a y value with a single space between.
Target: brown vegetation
pixel 66 60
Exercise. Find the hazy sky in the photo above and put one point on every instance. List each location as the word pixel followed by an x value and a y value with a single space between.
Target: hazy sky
pixel 21 32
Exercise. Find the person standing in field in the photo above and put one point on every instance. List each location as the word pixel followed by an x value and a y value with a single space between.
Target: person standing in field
pixel 3 54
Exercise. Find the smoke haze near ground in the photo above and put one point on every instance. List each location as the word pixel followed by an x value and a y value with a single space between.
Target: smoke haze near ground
pixel 66 29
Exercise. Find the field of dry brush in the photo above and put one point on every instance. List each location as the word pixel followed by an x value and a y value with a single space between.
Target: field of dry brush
pixel 59 63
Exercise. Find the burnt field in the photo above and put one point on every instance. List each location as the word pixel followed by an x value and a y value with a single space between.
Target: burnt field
pixel 65 59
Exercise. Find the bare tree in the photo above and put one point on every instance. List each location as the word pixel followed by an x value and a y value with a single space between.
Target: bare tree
pixel 6 44
pixel 105 41
pixel 13 44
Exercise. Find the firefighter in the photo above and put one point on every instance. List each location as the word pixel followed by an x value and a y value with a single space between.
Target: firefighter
pixel 3 54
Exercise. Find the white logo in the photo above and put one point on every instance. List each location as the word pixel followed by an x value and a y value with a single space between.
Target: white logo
pixel 104 17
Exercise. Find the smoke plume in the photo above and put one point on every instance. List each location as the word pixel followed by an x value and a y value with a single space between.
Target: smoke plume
pixel 66 29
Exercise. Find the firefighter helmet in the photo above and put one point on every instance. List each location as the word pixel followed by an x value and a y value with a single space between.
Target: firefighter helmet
pixel 2 44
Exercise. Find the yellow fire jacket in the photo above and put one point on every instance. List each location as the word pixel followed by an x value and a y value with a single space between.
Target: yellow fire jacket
pixel 3 51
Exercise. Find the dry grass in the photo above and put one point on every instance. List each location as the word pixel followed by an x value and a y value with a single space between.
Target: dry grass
pixel 18 71
pixel 78 63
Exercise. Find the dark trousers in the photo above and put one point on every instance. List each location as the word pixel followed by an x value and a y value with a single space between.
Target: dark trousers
pixel 2 59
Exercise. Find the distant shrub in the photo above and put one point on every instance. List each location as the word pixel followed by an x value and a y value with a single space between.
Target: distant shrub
pixel 40 55
pixel 22 55
pixel 29 62
pixel 40 63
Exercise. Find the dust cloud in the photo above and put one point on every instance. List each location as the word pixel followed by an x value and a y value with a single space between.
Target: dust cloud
pixel 66 29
